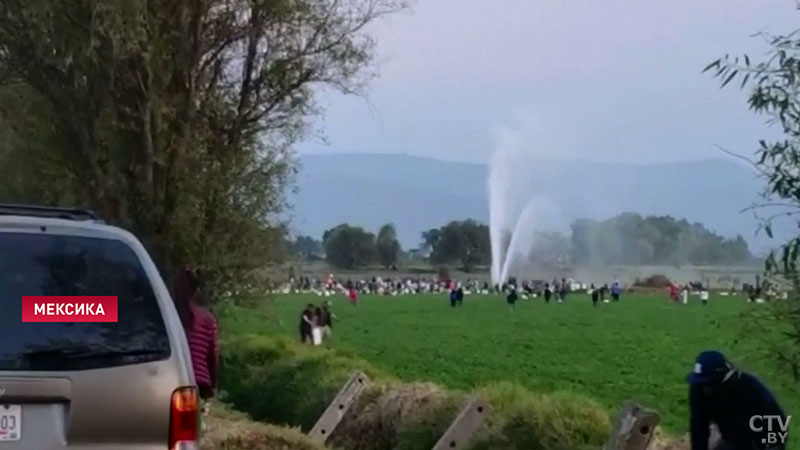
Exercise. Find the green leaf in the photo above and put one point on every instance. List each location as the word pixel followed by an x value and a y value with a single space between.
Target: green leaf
pixel 768 230
pixel 744 81
pixel 728 80
pixel 746 60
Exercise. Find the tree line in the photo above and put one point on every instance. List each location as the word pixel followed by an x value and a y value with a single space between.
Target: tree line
pixel 627 239
pixel 633 239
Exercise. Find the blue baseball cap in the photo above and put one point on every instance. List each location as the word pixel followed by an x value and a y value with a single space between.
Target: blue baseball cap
pixel 708 367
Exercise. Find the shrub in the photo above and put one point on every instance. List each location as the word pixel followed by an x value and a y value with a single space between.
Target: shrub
pixel 653 281
pixel 280 381
pixel 231 430
pixel 526 420
pixel 284 382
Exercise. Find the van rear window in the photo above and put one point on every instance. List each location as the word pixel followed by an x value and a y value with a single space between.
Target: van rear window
pixel 48 264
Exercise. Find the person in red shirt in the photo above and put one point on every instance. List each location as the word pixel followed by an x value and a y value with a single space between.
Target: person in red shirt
pixel 200 327
pixel 673 292
pixel 353 295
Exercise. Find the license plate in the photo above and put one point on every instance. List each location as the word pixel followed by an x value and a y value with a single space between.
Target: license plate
pixel 10 422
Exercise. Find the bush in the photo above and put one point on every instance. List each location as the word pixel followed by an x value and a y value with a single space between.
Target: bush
pixel 653 281
pixel 526 420
pixel 231 430
pixel 397 416
pixel 284 382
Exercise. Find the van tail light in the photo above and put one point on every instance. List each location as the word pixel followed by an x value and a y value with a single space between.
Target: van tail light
pixel 183 419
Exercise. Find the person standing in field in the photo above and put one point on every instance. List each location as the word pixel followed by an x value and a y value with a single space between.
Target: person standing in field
pixel 512 298
pixel 460 296
pixel 615 291
pixel 595 295
pixel 200 327
pixel 353 296
pixel 316 330
pixel 603 291
pixel 737 403
pixel 453 297
pixel 673 292
pixel 704 295
pixel 327 319
pixel 562 293
pixel 306 323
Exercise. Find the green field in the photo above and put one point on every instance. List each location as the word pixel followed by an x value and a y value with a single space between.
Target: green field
pixel 641 348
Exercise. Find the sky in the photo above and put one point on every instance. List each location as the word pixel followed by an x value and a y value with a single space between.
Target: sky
pixel 613 81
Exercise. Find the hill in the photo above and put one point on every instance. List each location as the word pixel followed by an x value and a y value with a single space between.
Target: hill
pixel 417 193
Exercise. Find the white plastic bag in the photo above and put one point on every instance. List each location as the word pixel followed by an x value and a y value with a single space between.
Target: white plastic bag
pixel 316 335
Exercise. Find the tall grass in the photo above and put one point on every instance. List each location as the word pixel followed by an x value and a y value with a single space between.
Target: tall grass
pixel 279 381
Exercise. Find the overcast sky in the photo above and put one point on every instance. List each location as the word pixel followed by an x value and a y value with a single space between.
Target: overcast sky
pixel 617 80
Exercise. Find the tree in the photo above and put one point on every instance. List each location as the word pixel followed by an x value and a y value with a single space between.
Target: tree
pixel 430 238
pixel 465 241
pixel 349 247
pixel 632 239
pixel 774 85
pixel 305 247
pixel 174 119
pixel 387 246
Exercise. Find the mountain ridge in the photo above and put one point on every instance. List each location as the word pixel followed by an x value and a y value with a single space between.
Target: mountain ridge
pixel 417 193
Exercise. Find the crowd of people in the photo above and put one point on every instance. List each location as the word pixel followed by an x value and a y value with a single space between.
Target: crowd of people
pixel 428 285
pixel 719 393
pixel 377 285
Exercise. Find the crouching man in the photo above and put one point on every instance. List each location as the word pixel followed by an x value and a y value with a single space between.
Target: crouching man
pixel 737 403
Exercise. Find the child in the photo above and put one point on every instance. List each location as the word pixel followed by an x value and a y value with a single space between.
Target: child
pixel 595 295
pixel 453 297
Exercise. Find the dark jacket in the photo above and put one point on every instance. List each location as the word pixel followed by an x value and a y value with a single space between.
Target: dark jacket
pixel 327 318
pixel 512 297
pixel 730 407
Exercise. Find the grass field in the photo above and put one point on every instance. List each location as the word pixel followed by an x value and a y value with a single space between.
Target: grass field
pixel 640 348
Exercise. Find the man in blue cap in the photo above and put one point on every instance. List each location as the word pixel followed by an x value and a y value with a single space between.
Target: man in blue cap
pixel 737 403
